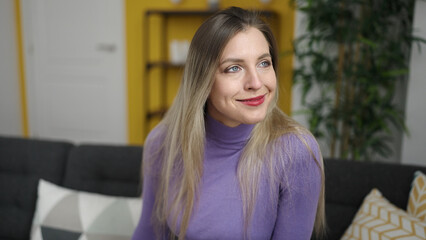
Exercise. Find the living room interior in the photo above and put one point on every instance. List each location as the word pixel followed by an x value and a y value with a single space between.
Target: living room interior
pixel 82 84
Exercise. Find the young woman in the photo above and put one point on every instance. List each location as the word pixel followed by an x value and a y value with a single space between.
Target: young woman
pixel 226 162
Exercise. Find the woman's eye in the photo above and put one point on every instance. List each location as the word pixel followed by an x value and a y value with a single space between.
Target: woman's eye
pixel 232 69
pixel 265 64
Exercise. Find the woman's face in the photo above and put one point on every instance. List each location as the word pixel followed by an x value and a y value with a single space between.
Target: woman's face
pixel 245 81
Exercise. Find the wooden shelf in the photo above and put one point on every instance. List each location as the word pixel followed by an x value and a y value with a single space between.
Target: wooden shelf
pixel 181 13
pixel 167 13
pixel 157 113
pixel 163 64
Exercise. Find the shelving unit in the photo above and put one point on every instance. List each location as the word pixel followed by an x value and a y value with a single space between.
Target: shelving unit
pixel 163 64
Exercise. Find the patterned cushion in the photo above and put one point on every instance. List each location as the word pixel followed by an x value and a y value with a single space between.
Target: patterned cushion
pixel 379 219
pixel 72 215
pixel 417 200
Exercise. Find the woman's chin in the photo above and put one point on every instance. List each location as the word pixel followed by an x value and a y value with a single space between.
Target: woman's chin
pixel 254 120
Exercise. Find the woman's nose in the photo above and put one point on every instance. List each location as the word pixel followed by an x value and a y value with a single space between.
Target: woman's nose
pixel 252 80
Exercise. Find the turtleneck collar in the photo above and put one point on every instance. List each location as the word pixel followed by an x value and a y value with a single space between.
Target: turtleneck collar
pixel 227 137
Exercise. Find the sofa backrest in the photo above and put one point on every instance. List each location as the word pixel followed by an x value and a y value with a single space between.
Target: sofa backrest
pixel 23 163
pixel 348 182
pixel 105 169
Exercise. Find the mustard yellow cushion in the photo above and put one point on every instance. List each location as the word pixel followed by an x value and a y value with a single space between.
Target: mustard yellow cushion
pixel 378 219
pixel 417 199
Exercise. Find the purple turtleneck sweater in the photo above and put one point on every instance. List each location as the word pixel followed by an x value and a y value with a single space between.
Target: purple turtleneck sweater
pixel 219 211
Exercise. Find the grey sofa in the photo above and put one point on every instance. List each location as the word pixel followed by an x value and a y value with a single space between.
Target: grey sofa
pixel 115 170
pixel 110 170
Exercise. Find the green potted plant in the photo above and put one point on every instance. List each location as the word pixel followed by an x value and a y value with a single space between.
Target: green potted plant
pixel 354 53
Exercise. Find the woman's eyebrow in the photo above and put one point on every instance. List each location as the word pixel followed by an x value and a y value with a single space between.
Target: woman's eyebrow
pixel 264 56
pixel 232 60
pixel 241 60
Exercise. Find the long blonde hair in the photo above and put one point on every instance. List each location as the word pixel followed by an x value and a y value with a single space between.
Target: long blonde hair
pixel 182 150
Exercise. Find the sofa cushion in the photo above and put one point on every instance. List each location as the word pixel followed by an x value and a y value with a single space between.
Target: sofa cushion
pixel 22 163
pixel 377 218
pixel 348 182
pixel 417 199
pixel 111 170
pixel 68 214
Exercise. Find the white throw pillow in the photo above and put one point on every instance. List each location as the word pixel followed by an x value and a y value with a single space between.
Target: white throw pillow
pixel 65 214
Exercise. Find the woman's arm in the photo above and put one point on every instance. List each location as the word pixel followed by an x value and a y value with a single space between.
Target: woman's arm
pixel 298 201
pixel 145 228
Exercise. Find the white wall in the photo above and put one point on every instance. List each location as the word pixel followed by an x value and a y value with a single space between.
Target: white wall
pixel 10 105
pixel 296 91
pixel 414 146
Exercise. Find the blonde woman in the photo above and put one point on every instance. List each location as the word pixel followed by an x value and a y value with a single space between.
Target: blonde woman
pixel 225 162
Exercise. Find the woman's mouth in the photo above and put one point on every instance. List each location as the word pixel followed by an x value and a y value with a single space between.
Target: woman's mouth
pixel 256 101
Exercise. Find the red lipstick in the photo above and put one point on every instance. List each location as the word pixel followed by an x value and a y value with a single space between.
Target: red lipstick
pixel 256 101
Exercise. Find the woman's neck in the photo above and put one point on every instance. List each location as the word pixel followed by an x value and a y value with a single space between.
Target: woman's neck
pixel 227 136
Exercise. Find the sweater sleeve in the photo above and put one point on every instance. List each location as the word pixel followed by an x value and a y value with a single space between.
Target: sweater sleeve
pixel 299 198
pixel 145 229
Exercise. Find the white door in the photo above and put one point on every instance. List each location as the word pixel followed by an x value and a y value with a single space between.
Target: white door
pixel 75 71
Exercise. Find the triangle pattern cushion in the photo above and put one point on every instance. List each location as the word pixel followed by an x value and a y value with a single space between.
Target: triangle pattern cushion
pixel 56 234
pixel 48 197
pixel 77 215
pixel 83 237
pixel 66 207
pixel 417 198
pixel 93 236
pixel 134 204
pixel 91 206
pixel 36 232
pixel 378 219
pixel 116 219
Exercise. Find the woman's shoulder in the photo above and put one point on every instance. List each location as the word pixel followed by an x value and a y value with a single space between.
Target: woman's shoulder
pixel 299 146
pixel 289 132
pixel 154 142
pixel 301 159
pixel 156 136
pixel 298 138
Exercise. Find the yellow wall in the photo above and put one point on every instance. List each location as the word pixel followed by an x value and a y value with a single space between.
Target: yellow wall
pixel 135 12
pixel 22 86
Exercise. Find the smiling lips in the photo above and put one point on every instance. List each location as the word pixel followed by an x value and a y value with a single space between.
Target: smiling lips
pixel 256 101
